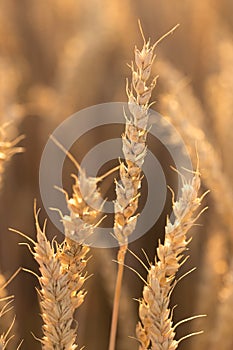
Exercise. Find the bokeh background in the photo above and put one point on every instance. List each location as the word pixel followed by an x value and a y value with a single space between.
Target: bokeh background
pixel 57 57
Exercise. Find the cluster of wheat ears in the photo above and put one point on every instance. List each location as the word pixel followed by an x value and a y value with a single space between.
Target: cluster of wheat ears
pixel 62 265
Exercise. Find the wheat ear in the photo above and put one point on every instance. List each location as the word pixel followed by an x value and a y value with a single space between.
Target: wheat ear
pixel 7 148
pixel 85 207
pixel 56 304
pixel 155 329
pixel 60 296
pixel 62 265
pixel 134 149
pixel 181 109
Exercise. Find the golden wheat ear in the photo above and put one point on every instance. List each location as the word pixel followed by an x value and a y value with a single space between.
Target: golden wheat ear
pixel 60 290
pixel 134 148
pixel 180 105
pixel 86 203
pixel 85 207
pixel 155 328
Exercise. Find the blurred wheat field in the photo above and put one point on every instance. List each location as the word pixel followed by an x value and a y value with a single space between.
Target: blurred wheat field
pixel 57 57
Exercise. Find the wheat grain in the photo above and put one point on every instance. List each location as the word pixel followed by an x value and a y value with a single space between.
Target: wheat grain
pixel 84 206
pixel 73 261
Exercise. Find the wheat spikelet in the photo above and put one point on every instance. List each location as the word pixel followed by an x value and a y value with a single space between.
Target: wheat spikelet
pixel 72 257
pixel 84 206
pixel 155 329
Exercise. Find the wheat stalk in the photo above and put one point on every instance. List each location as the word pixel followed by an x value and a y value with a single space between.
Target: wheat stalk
pixel 134 149
pixel 155 329
pixel 126 309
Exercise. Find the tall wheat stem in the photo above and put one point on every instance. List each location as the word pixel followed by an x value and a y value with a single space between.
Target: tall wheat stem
pixel 134 149
pixel 116 302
